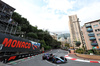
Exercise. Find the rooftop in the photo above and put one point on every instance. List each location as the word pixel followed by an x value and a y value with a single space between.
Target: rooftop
pixel 93 21
pixel 7 5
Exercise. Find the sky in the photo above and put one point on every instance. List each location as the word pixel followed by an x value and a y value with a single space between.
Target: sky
pixel 52 15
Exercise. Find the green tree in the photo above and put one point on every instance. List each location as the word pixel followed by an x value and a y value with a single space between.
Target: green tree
pixel 16 17
pixel 35 33
pixel 24 21
pixel 24 28
pixel 78 43
pixel 43 44
pixel 47 47
pixel 32 35
pixel 40 33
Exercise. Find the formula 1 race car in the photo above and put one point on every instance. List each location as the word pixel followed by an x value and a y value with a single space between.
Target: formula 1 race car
pixel 59 59
pixel 47 56
pixel 52 58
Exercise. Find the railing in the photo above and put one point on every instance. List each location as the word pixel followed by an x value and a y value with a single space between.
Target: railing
pixel 88 25
pixel 7 21
pixel 92 38
pixel 91 34
pixel 94 44
pixel 6 12
pixel 89 30
pixel 9 13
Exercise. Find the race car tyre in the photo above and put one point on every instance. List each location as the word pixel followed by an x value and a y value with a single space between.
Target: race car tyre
pixel 65 59
pixel 43 58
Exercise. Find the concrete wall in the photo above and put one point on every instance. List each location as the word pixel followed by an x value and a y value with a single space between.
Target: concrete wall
pixel 95 57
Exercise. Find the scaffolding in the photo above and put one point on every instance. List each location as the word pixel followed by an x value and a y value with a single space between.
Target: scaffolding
pixel 7 25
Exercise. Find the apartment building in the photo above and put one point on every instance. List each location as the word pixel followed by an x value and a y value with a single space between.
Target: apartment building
pixel 75 32
pixel 91 33
pixel 68 40
pixel 83 40
pixel 54 36
pixel 7 25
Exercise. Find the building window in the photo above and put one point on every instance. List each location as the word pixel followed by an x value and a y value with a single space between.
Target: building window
pixel 98 34
pixel 95 26
pixel 97 30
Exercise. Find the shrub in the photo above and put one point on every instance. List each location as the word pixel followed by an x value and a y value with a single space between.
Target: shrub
pixel 96 51
pixel 80 51
pixel 90 51
pixel 47 47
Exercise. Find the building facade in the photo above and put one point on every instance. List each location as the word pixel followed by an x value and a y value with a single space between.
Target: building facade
pixel 54 36
pixel 75 32
pixel 7 25
pixel 63 41
pixel 68 40
pixel 91 33
pixel 63 38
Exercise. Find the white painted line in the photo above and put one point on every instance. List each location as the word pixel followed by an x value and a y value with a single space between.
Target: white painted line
pixel 82 60
pixel 69 57
pixel 99 61
pixel 66 55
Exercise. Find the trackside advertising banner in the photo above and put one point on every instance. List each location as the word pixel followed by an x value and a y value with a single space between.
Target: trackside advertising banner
pixel 9 43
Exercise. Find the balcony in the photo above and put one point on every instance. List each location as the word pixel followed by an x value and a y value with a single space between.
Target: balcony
pixel 89 30
pixel 88 25
pixel 7 22
pixel 92 38
pixel 94 44
pixel 91 34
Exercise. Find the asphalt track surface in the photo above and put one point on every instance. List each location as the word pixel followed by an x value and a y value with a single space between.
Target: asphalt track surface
pixel 37 61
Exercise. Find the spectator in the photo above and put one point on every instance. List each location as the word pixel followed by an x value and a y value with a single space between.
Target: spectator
pixel 10 20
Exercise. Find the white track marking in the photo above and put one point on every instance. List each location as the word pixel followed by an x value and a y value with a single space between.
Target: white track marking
pixel 69 57
pixel 81 60
pixel 99 61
